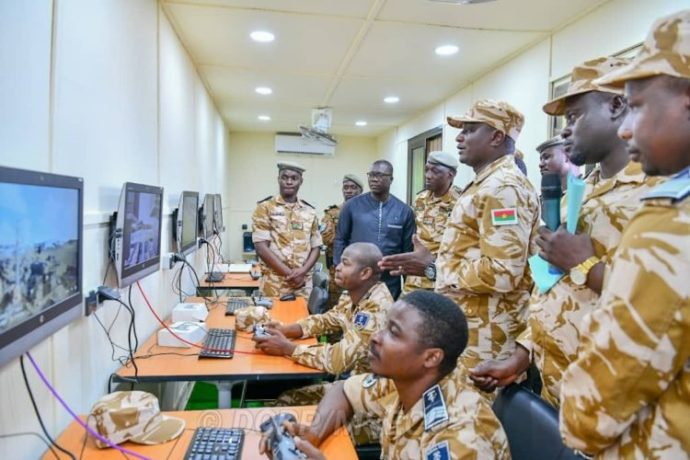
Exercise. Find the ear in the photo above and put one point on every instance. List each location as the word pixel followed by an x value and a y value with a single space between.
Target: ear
pixel 366 273
pixel 497 138
pixel 617 106
pixel 432 358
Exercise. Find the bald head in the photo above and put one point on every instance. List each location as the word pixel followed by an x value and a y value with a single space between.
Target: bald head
pixel 364 255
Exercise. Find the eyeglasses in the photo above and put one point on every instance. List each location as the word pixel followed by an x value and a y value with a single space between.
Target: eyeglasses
pixel 377 175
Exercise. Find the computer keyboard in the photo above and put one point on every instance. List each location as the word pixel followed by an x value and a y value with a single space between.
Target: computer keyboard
pixel 215 277
pixel 219 343
pixel 216 443
pixel 234 304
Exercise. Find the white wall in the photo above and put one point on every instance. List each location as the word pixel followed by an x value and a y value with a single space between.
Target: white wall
pixel 102 90
pixel 524 81
pixel 254 176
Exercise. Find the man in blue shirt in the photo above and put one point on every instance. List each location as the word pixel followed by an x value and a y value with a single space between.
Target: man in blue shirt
pixel 377 217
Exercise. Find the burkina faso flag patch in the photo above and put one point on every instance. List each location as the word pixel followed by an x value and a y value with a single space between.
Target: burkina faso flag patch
pixel 505 216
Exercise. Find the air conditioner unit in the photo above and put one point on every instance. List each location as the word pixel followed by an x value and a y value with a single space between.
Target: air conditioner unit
pixel 296 143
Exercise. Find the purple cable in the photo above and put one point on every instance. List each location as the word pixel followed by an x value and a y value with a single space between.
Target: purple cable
pixel 76 417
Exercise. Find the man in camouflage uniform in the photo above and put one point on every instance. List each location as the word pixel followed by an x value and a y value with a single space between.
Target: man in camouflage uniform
pixel 352 186
pixel 360 312
pixel 432 207
pixel 612 196
pixel 285 231
pixel 628 393
pixel 553 159
pixel 427 408
pixel 482 260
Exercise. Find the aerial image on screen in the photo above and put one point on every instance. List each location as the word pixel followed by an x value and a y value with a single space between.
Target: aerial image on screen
pixel 39 250
pixel 142 223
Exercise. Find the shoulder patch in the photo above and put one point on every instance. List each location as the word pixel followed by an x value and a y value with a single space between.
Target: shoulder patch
pixel 265 199
pixel 675 189
pixel 369 381
pixel 505 216
pixel 361 319
pixel 438 451
pixel 308 204
pixel 435 411
pixel 333 206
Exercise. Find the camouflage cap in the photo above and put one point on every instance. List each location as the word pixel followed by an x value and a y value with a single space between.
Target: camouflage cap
pixel 665 51
pixel 132 416
pixel 547 144
pixel 355 179
pixel 291 165
pixel 497 114
pixel 447 159
pixel 247 317
pixel 583 80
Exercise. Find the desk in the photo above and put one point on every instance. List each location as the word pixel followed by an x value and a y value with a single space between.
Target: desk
pixel 338 445
pixel 247 363
pixel 242 281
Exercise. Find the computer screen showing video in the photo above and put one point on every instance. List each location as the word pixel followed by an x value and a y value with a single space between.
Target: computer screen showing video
pixel 40 256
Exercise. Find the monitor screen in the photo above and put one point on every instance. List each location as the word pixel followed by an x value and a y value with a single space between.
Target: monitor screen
pixel 40 257
pixel 207 216
pixel 187 222
pixel 217 214
pixel 139 225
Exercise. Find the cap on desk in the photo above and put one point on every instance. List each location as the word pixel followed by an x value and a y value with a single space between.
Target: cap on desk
pixel 132 416
pixel 247 317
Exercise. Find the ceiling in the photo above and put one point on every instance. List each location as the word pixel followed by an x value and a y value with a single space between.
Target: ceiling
pixel 350 54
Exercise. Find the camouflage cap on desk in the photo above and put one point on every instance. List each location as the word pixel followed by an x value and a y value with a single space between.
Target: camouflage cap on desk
pixel 665 51
pixel 247 317
pixel 497 114
pixel 583 80
pixel 132 416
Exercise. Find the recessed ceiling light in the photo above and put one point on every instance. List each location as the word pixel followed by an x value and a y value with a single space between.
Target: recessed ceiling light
pixel 391 99
pixel 361 123
pixel 262 36
pixel 265 90
pixel 446 50
pixel 264 118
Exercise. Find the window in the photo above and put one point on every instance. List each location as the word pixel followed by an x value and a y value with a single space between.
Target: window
pixel 418 148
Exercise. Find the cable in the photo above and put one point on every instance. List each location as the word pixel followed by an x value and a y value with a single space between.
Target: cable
pixel 76 417
pixel 244 391
pixel 38 414
pixel 184 340
pixel 31 433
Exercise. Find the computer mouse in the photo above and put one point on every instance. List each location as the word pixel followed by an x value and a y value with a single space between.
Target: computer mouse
pixel 263 302
pixel 288 297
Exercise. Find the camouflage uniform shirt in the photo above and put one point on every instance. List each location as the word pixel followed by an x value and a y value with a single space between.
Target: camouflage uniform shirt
pixel 451 420
pixel 356 322
pixel 292 231
pixel 628 393
pixel 482 261
pixel 555 318
pixel 431 215
pixel 328 226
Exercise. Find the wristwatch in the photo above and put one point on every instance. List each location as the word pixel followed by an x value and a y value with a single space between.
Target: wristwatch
pixel 578 274
pixel 430 271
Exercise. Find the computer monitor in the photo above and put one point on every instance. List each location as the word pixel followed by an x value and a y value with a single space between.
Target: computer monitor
pixel 137 232
pixel 206 215
pixel 185 223
pixel 40 257
pixel 218 226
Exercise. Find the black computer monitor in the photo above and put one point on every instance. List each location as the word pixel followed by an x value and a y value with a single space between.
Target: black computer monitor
pixel 40 257
pixel 206 216
pixel 218 226
pixel 185 223
pixel 137 232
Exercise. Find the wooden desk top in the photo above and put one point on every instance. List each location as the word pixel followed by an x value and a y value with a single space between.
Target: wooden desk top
pixel 338 445
pixel 176 364
pixel 231 280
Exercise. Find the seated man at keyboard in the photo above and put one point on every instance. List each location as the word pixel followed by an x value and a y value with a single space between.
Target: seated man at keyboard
pixel 427 407
pixel 360 312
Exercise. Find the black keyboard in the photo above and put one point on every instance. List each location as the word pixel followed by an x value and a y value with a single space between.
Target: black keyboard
pixel 219 343
pixel 234 304
pixel 216 443
pixel 215 277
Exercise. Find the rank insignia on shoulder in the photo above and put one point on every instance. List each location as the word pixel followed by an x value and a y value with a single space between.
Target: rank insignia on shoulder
pixel 265 199
pixel 505 216
pixel 361 319
pixel 435 411
pixel 308 204
pixel 369 381
pixel 675 189
pixel 438 451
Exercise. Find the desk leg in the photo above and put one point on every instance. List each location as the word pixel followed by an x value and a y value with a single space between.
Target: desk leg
pixel 225 394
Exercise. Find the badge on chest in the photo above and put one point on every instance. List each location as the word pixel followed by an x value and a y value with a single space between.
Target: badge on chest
pixel 361 319
pixel 435 411
pixel 438 451
pixel 297 225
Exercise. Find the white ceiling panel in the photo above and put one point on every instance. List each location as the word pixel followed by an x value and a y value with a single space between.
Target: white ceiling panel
pixel 351 8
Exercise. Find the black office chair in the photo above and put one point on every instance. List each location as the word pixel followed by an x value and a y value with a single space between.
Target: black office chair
pixel 318 299
pixel 531 426
pixel 320 279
